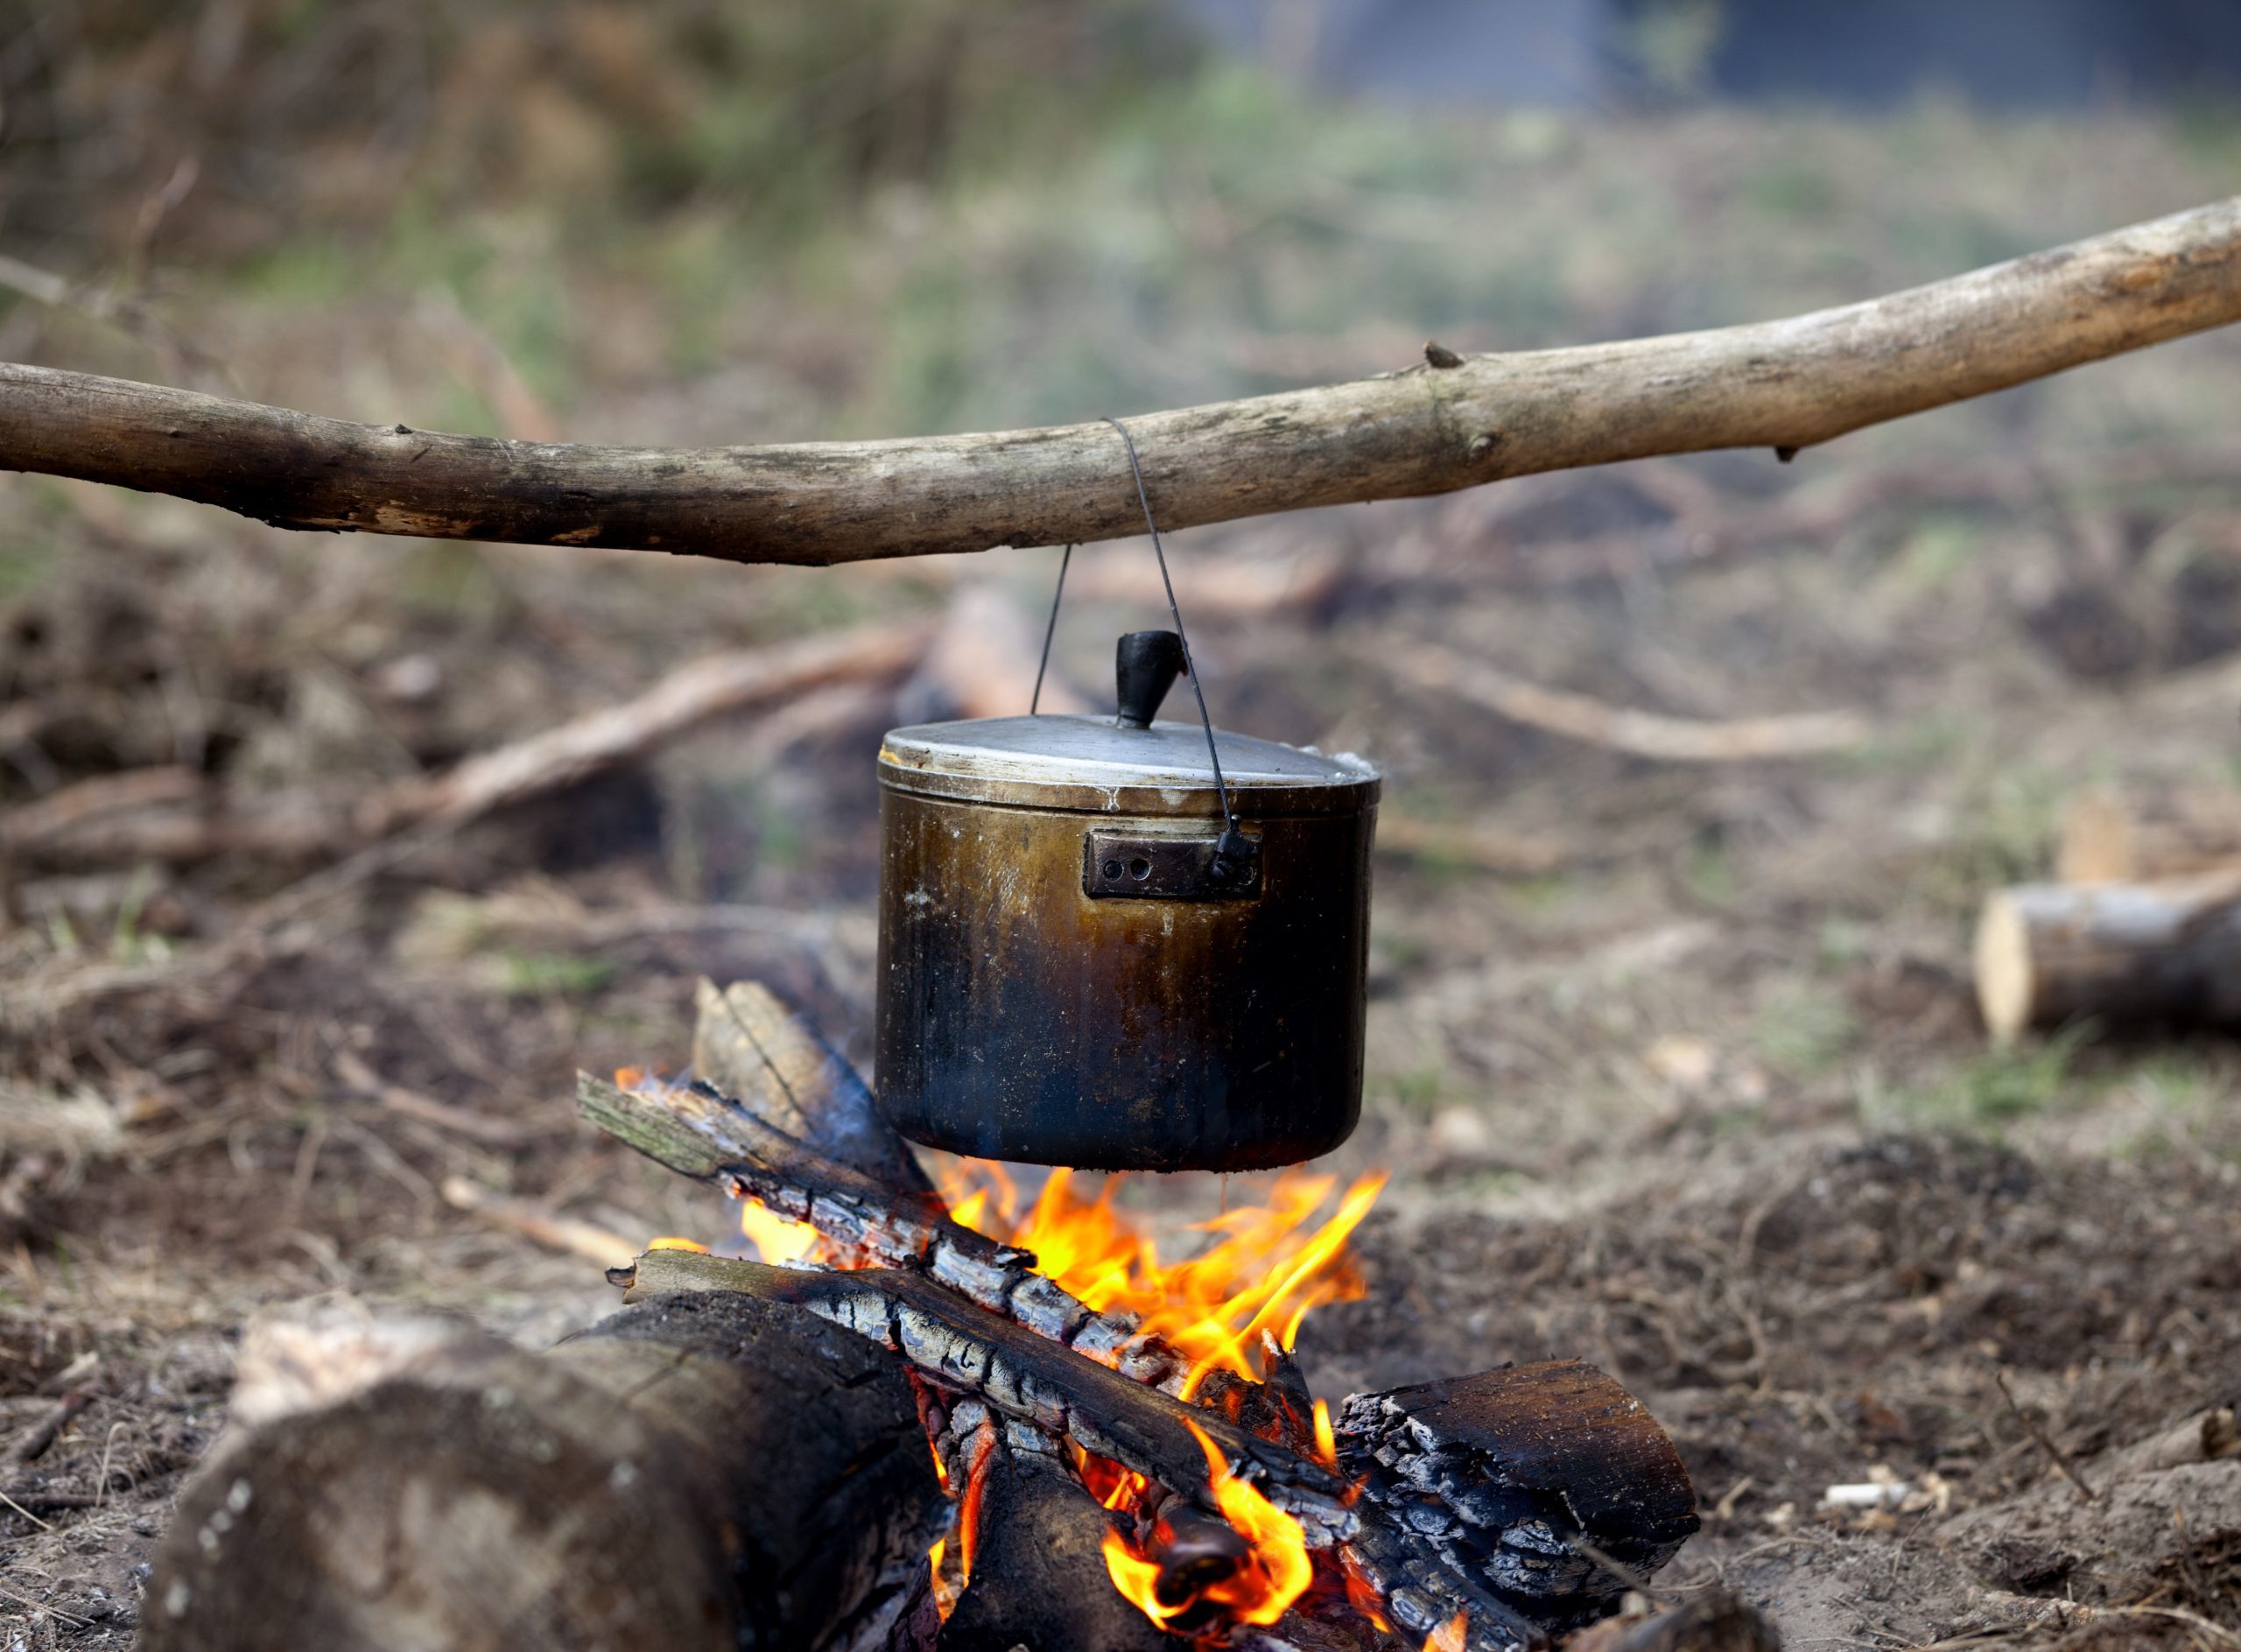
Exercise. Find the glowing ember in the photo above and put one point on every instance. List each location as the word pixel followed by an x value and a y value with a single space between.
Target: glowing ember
pixel 1449 1636
pixel 1263 1271
pixel 1276 1572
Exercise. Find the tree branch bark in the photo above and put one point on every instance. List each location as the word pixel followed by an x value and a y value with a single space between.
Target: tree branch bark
pixel 1783 384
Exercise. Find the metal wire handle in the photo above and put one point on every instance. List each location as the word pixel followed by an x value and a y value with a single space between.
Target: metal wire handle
pixel 1233 841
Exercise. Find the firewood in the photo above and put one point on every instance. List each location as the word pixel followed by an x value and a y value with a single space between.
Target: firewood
pixel 1783 385
pixel 2167 952
pixel 697 1131
pixel 1039 1576
pixel 749 1045
pixel 1415 1550
pixel 705 1470
pixel 948 1301
pixel 1536 1478
pixel 2110 837
pixel 1024 1375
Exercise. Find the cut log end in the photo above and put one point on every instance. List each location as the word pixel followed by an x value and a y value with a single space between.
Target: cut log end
pixel 2003 959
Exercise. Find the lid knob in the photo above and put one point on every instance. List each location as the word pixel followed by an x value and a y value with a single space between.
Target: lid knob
pixel 1146 664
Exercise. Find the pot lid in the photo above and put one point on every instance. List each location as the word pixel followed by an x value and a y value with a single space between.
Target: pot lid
pixel 1100 764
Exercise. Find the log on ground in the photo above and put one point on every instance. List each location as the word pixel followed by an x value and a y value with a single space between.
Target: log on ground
pixel 2168 952
pixel 699 1472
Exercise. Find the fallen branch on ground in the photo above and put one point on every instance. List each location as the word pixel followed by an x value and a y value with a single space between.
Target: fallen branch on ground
pixel 1443 671
pixel 1786 385
pixel 164 814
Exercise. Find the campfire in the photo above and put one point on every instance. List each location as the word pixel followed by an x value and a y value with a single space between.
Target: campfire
pixel 1076 1383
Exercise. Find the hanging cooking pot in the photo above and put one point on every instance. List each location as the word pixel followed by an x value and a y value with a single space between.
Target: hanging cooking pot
pixel 1103 944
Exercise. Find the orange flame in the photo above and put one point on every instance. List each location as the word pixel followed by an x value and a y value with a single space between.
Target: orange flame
pixel 1449 1636
pixel 776 1239
pixel 671 1241
pixel 946 1592
pixel 1262 1273
pixel 1275 1573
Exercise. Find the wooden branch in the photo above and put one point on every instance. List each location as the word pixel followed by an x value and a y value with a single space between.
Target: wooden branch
pixel 167 813
pixel 1785 384
pixel 699 1132
pixel 704 1472
pixel 1443 671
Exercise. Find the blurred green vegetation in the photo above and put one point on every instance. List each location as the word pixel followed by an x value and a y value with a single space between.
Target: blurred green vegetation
pixel 868 218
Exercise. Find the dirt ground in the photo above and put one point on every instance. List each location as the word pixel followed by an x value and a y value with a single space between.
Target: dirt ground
pixel 1675 1065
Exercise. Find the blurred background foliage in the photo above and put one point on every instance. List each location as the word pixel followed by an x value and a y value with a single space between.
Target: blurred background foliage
pixel 858 217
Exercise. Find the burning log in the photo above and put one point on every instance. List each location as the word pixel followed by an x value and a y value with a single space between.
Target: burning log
pixel 1510 1503
pixel 701 1471
pixel 2129 952
pixel 1025 1375
pixel 2111 838
pixel 1037 1575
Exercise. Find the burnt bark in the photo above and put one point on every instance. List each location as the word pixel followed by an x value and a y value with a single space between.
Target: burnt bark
pixel 1025 1375
pixel 707 1470
pixel 1039 1577
pixel 1548 1484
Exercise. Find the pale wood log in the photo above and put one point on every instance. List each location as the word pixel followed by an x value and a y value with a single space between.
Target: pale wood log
pixel 2171 951
pixel 2136 836
pixel 704 1472
pixel 1785 384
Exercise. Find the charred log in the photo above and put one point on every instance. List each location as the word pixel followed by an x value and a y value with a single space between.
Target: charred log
pixel 1530 1480
pixel 698 1130
pixel 1026 1376
pixel 1039 1576
pixel 704 1470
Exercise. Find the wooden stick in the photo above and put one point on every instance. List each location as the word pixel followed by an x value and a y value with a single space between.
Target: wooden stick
pixel 166 814
pixel 1785 384
pixel 699 1132
pixel 1443 671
